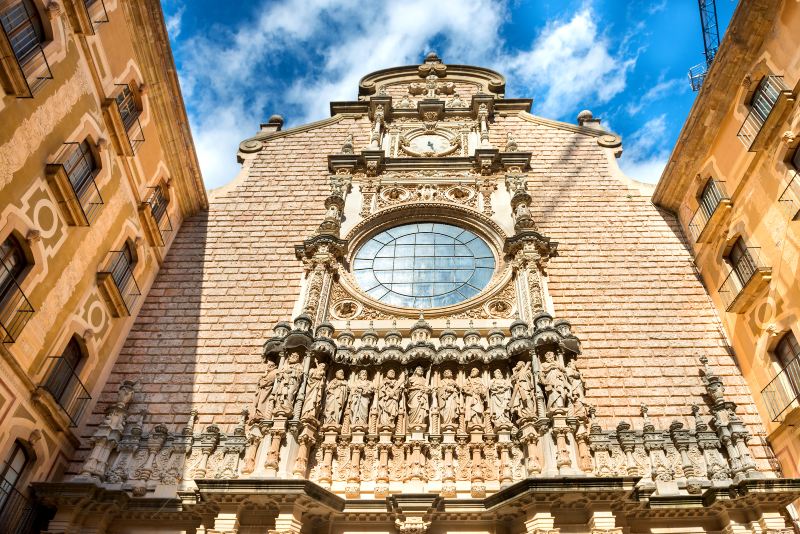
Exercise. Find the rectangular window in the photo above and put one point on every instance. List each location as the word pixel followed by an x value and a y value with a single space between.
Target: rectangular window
pixel 80 167
pixel 127 106
pixel 23 28
pixel 710 198
pixel 742 263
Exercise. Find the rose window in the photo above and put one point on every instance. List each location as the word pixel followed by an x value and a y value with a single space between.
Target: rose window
pixel 424 265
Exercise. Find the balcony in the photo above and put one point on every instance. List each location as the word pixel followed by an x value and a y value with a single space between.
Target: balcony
pixel 66 389
pixel 77 193
pixel 770 100
pixel 117 284
pixel 747 279
pixel 22 58
pixel 789 201
pixel 15 309
pixel 782 394
pixel 714 205
pixel 123 117
pixel 155 219
pixel 17 513
pixel 90 14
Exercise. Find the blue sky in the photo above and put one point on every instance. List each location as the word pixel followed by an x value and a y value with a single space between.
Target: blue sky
pixel 241 61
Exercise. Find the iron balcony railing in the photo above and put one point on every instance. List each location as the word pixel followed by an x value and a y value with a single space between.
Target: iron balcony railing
pixel 783 391
pixel 82 181
pixel 118 266
pixel 713 194
pixel 17 514
pixel 67 390
pixel 15 309
pixel 789 201
pixel 96 11
pixel 28 53
pixel 158 207
pixel 129 114
pixel 741 273
pixel 763 103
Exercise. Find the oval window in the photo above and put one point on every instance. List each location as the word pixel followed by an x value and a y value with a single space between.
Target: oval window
pixel 424 265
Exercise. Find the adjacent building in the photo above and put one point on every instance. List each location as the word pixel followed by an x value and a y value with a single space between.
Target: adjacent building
pixel 97 173
pixel 733 182
pixel 431 312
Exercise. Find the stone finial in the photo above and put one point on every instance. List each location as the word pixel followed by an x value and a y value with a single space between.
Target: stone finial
pixel 588 120
pixel 273 124
pixel 432 57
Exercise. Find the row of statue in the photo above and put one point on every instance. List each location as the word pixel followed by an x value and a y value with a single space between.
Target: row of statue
pixel 472 397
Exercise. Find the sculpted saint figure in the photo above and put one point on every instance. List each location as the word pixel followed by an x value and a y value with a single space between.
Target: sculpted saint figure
pixel 554 378
pixel 474 398
pixel 261 409
pixel 448 397
pixel 576 388
pixel 500 396
pixel 417 398
pixel 389 400
pixel 335 395
pixel 314 385
pixel 523 395
pixel 287 384
pixel 360 397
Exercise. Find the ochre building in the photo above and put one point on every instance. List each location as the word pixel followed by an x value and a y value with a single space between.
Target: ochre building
pixel 732 181
pixel 434 313
pixel 97 172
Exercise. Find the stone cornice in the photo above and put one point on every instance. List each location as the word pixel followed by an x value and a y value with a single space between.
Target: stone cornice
pixel 495 82
pixel 151 44
pixel 253 144
pixel 563 125
pixel 751 23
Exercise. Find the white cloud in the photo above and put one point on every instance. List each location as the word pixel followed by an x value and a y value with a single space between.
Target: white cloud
pixel 572 64
pixel 173 22
pixel 645 157
pixel 234 79
pixel 662 89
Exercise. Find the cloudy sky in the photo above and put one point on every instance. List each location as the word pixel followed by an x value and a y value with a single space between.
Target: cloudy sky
pixel 626 60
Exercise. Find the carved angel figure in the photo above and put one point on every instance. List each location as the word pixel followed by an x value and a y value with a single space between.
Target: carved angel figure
pixel 360 398
pixel 448 397
pixel 335 395
pixel 500 396
pixel 261 408
pixel 554 378
pixel 389 400
pixel 474 399
pixel 523 395
pixel 287 384
pixel 314 385
pixel 417 398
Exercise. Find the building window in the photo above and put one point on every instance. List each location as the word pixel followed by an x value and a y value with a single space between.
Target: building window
pixel 24 34
pixel 787 352
pixel 81 167
pixel 741 261
pixel 64 384
pixel 129 111
pixel 424 265
pixel 12 502
pixel 15 310
pixel 762 103
pixel 122 270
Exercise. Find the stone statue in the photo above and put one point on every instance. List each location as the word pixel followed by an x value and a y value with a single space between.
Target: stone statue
pixel 360 397
pixel 335 395
pixel 554 378
pixel 523 395
pixel 448 397
pixel 287 384
pixel 261 408
pixel 389 400
pixel 577 391
pixel 314 385
pixel 500 396
pixel 474 399
pixel 417 398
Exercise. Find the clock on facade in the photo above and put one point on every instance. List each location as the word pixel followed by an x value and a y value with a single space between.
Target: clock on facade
pixel 429 143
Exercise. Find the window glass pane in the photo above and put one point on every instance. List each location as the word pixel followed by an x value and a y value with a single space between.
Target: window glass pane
pixel 424 265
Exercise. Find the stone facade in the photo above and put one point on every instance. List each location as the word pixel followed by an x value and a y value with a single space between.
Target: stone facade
pixel 584 387
pixel 732 181
pixel 82 177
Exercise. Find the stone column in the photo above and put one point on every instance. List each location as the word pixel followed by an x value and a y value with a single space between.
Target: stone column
pixel 541 523
pixel 353 488
pixel 325 470
pixel 603 522
pixel 478 489
pixel 208 443
pixel 276 434
pixel 289 520
pixel 382 480
pixel 448 471
pixel 306 441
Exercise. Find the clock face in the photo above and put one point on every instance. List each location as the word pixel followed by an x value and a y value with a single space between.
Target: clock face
pixel 429 143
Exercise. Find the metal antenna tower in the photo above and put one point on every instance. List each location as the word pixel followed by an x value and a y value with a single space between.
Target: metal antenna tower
pixel 708 20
